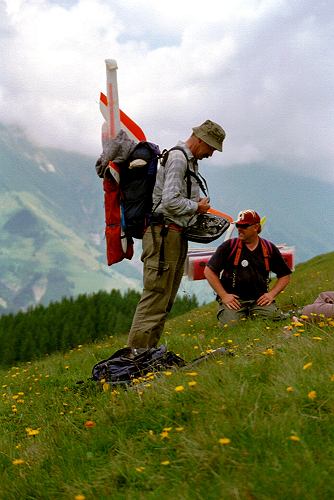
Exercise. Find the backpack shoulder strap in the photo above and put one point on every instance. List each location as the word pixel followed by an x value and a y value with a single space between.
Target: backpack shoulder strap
pixel 235 248
pixel 189 173
pixel 165 153
pixel 267 251
pixel 238 253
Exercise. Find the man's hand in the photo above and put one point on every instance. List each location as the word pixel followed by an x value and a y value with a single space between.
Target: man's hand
pixel 203 205
pixel 265 299
pixel 231 301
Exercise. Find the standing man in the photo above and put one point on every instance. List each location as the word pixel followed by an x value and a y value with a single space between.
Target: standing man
pixel 239 273
pixel 164 246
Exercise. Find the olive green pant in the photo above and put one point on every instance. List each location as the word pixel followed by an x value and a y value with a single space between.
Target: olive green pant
pixel 249 308
pixel 160 289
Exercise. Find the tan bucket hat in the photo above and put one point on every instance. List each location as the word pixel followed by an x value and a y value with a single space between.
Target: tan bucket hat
pixel 211 133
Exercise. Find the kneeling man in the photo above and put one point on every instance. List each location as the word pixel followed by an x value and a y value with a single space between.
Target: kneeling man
pixel 239 272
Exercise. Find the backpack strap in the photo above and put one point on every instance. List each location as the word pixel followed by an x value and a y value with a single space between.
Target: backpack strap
pixel 266 250
pixel 237 253
pixel 200 181
pixel 189 173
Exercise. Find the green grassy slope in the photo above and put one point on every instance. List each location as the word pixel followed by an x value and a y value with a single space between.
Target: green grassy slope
pixel 256 425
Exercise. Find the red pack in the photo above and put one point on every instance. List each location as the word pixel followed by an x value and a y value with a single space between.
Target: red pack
pixel 118 246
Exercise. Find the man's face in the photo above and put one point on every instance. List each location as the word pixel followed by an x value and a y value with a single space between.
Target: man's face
pixel 247 232
pixel 203 150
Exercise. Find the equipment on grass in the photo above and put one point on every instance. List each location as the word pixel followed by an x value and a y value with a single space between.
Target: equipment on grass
pixel 128 364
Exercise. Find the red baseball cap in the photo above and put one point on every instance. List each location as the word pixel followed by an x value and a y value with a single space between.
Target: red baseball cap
pixel 248 217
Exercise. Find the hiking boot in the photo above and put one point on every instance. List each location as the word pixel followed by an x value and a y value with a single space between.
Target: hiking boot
pixel 136 351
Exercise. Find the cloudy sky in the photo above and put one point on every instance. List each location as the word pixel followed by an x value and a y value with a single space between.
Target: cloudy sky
pixel 263 69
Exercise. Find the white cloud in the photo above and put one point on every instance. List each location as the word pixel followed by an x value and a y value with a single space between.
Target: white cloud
pixel 262 68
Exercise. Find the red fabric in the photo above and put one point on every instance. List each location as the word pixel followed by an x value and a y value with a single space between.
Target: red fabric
pixel 114 248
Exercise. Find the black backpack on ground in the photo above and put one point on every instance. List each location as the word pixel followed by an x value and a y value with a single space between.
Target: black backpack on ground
pixel 122 367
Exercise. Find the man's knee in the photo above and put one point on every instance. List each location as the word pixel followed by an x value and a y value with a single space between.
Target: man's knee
pixel 227 316
pixel 271 312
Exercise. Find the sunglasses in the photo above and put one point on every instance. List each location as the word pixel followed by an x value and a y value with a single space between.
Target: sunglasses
pixel 243 226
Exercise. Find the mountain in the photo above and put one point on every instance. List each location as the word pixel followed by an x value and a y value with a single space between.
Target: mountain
pixel 52 221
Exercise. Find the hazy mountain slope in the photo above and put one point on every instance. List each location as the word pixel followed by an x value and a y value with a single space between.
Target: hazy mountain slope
pixel 51 224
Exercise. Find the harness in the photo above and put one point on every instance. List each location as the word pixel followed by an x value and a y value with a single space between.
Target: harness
pixel 237 248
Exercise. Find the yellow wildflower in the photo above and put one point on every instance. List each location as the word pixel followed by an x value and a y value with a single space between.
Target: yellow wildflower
pixel 224 441
pixel 289 389
pixel 140 469
pixel 32 432
pixel 268 352
pixel 179 429
pixel 18 461
pixel 312 395
pixel 307 366
pixel 293 437
pixel 80 497
pixel 165 462
pixel 168 373
pixel 179 388
pixel 192 374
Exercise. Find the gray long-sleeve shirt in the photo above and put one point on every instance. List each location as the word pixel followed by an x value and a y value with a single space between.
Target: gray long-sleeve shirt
pixel 171 187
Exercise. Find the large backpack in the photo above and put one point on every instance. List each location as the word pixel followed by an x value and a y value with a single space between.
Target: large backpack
pixel 137 181
pixel 123 367
pixel 128 182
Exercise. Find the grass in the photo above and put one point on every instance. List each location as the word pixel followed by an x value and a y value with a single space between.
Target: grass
pixel 256 425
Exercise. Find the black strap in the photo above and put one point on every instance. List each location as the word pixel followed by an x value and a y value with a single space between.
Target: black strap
pixel 189 173
pixel 163 233
pixel 200 181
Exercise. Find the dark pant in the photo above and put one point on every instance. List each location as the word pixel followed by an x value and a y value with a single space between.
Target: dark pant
pixel 249 308
pixel 160 289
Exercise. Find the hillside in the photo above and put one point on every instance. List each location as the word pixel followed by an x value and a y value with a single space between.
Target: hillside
pixel 52 226
pixel 255 425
